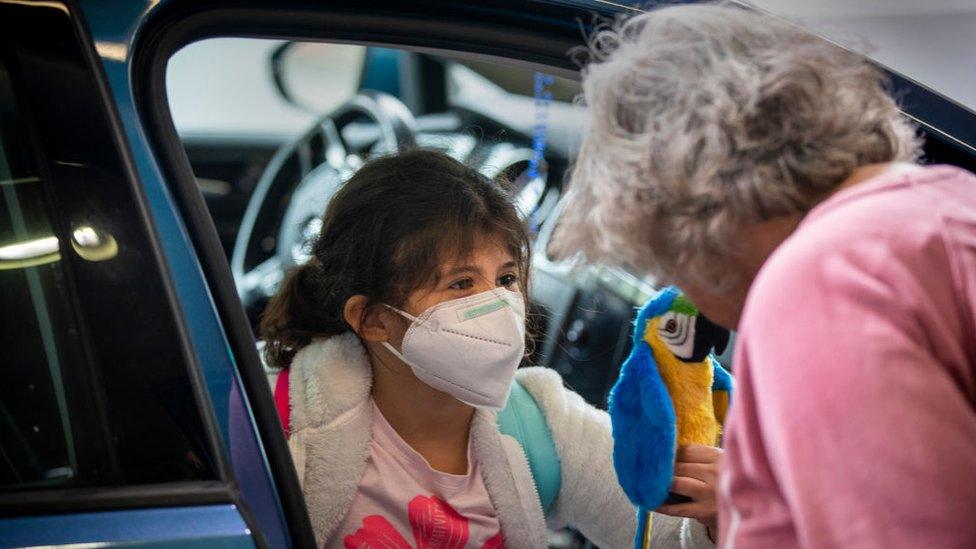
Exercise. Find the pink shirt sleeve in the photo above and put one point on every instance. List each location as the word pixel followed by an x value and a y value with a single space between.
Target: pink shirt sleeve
pixel 854 422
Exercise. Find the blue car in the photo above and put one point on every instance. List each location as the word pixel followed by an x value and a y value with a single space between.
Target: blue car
pixel 164 162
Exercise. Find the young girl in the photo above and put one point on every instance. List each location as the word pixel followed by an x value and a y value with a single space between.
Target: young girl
pixel 400 340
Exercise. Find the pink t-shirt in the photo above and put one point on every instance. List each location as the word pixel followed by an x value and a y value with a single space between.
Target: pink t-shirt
pixel 854 421
pixel 403 503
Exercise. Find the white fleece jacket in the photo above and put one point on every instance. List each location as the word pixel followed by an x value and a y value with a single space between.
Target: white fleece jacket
pixel 329 388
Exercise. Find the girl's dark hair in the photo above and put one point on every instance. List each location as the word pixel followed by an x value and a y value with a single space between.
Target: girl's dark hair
pixel 385 234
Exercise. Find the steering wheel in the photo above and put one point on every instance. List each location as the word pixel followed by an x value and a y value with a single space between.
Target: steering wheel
pixel 324 159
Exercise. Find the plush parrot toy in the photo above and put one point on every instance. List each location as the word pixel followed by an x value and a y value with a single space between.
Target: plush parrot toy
pixel 671 391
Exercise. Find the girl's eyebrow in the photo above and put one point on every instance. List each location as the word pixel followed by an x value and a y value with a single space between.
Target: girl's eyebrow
pixel 462 269
pixel 471 269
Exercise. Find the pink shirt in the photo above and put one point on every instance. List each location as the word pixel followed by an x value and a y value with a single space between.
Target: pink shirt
pixel 403 503
pixel 854 422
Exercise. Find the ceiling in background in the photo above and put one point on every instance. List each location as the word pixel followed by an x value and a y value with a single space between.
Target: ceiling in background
pixel 931 41
pixel 864 8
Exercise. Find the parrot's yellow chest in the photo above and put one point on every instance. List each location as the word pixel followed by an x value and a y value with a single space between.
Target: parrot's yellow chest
pixel 690 387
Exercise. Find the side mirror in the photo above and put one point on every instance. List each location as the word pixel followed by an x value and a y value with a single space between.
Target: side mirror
pixel 317 76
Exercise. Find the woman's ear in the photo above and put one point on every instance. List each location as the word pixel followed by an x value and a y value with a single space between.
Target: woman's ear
pixel 367 324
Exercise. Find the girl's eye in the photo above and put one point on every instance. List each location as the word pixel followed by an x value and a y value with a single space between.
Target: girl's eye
pixel 464 284
pixel 508 280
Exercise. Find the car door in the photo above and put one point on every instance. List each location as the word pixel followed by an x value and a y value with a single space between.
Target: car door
pixel 107 435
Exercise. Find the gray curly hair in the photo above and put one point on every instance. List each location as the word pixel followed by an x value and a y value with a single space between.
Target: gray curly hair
pixel 708 117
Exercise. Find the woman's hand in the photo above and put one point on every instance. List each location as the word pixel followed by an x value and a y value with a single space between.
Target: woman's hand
pixel 696 476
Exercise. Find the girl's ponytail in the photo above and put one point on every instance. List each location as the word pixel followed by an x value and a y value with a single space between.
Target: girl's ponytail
pixel 299 312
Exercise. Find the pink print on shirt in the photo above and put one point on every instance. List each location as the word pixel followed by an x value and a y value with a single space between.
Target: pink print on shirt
pixel 435 524
pixel 401 496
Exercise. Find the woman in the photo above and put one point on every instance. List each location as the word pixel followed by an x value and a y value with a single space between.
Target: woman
pixel 769 175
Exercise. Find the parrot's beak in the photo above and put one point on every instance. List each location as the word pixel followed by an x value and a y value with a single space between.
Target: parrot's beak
pixel 708 336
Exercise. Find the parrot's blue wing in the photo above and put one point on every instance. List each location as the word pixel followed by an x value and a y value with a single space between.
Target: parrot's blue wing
pixel 643 420
pixel 721 378
pixel 721 390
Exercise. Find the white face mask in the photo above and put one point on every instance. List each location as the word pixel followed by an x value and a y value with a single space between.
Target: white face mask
pixel 468 348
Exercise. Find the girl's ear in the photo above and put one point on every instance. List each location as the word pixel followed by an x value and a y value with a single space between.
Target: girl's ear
pixel 368 325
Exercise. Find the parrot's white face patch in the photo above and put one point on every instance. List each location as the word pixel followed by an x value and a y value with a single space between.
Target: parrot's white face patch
pixel 678 333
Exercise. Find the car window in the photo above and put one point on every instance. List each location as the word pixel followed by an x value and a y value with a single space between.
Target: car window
pixel 226 93
pixel 94 387
pixel 225 86
pixel 520 81
pixel 39 332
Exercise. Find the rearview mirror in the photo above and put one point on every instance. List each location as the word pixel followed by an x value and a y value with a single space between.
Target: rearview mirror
pixel 317 76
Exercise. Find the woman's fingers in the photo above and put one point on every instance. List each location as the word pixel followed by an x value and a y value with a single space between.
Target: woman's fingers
pixel 696 453
pixel 698 462
pixel 695 489
pixel 706 473
pixel 695 476
pixel 702 507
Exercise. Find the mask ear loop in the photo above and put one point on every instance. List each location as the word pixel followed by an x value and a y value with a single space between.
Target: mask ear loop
pixel 416 321
pixel 429 324
pixel 396 353
pixel 405 314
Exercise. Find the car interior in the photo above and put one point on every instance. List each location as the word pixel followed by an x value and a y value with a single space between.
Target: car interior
pixel 266 187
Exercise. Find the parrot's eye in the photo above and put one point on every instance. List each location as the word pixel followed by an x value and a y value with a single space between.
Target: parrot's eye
pixel 677 331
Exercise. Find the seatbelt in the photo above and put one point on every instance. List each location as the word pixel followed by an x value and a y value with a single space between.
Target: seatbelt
pixel 521 419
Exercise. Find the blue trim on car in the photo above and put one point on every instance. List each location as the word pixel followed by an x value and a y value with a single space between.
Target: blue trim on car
pixel 199 526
